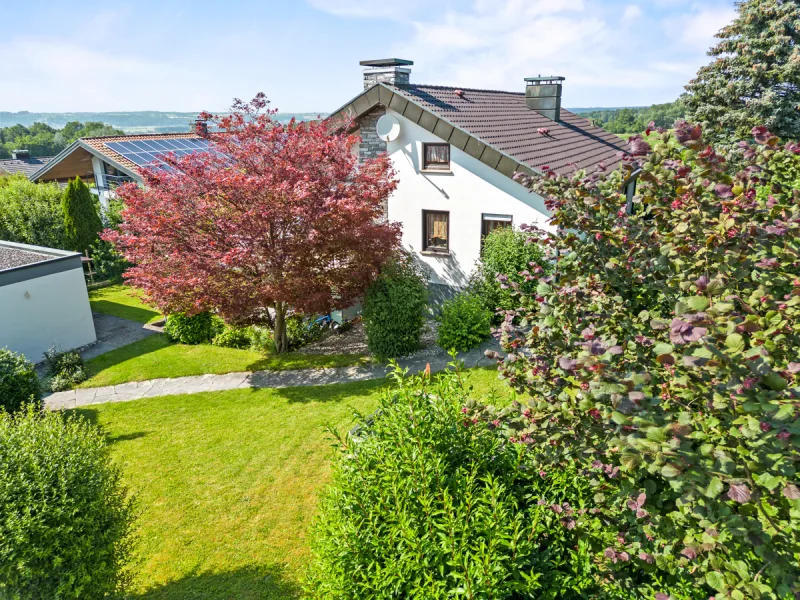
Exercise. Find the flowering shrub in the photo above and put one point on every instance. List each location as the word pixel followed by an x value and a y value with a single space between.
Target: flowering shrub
pixel 427 502
pixel 663 358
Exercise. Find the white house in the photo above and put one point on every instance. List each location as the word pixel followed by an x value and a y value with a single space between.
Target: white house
pixel 43 300
pixel 456 152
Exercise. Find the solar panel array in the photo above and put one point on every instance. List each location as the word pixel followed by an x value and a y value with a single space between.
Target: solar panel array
pixel 148 153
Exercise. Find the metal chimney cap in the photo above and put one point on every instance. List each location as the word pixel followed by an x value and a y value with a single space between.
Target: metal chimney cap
pixel 541 79
pixel 387 62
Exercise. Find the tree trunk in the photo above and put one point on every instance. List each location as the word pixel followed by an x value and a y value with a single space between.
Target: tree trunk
pixel 279 333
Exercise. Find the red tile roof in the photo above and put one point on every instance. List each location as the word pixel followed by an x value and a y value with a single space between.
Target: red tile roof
pixel 504 121
pixel 99 144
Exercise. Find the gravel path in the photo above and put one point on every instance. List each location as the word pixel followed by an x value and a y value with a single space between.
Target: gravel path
pixel 259 379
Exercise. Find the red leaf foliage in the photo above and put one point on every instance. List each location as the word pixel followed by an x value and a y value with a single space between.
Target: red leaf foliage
pixel 275 215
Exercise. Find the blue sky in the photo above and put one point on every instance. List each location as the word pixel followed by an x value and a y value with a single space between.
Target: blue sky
pixel 65 55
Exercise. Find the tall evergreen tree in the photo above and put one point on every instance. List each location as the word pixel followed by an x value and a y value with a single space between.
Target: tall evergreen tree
pixel 81 219
pixel 755 79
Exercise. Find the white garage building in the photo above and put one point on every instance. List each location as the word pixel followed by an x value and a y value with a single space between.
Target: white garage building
pixel 43 300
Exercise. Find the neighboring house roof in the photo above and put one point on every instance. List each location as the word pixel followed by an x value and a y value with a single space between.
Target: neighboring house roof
pixel 495 127
pixel 96 146
pixel 26 166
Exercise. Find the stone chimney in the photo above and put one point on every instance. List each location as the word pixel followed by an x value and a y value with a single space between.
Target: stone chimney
pixel 543 94
pixel 388 70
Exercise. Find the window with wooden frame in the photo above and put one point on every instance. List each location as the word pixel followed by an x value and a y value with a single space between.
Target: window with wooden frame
pixel 491 222
pixel 436 157
pixel 436 231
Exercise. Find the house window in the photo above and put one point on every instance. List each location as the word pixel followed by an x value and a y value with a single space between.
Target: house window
pixel 435 231
pixel 492 222
pixel 436 157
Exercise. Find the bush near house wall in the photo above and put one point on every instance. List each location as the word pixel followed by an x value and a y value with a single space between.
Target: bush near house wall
pixel 663 360
pixel 463 323
pixel 18 381
pixel 394 310
pixel 506 252
pixel 65 517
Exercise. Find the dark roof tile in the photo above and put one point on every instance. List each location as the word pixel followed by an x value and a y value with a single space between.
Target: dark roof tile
pixel 504 121
pixel 26 166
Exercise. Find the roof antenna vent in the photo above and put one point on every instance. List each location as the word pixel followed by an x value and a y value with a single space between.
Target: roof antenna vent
pixel 20 154
pixel 543 94
pixel 391 71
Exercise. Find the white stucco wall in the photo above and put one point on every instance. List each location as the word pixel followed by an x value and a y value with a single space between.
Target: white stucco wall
pixel 469 191
pixel 40 312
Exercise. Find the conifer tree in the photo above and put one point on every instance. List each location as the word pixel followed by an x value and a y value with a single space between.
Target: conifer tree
pixel 755 77
pixel 81 219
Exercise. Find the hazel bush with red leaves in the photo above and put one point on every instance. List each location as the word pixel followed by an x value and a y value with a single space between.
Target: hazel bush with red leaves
pixel 274 218
pixel 661 358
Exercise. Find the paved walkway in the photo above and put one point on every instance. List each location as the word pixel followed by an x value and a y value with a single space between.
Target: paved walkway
pixel 114 332
pixel 259 379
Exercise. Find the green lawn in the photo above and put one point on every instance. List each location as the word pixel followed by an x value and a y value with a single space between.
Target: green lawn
pixel 122 301
pixel 227 483
pixel 156 357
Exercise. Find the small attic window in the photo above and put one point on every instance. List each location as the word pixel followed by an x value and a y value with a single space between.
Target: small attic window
pixel 436 157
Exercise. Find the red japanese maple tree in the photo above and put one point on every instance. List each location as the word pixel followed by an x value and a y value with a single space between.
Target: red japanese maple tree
pixel 275 217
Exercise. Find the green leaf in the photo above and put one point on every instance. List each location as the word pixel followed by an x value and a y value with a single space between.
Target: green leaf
pixel 715 580
pixel 619 418
pixel 697 303
pixel 775 382
pixel 715 487
pixel 670 470
pixel 735 342
pixel 662 348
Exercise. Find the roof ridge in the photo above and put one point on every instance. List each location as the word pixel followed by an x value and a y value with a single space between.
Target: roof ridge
pixel 145 135
pixel 453 87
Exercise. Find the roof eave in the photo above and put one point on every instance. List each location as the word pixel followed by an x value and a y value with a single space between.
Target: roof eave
pixel 91 150
pixel 381 93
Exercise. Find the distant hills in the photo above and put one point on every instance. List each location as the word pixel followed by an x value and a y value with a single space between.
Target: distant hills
pixel 151 121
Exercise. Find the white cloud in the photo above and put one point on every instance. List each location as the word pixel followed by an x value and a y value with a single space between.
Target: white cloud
pixel 365 8
pixel 607 60
pixel 696 30
pixel 632 12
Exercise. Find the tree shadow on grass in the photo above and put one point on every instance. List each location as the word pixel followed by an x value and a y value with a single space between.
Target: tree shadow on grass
pixel 124 311
pixel 248 583
pixel 90 415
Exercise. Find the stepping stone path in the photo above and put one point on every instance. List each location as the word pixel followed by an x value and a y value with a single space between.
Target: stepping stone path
pixel 260 379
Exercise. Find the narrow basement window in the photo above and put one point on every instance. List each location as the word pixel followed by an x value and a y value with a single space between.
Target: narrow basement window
pixel 436 157
pixel 435 231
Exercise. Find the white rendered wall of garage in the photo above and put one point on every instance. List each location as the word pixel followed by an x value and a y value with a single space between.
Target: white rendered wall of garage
pixel 469 191
pixel 53 309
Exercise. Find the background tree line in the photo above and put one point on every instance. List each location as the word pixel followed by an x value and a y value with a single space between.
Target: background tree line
pixel 635 120
pixel 43 140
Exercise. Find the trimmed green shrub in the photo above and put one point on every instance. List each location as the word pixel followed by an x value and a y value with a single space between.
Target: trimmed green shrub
pixel 506 252
pixel 463 323
pixel 82 222
pixel 394 310
pixel 65 369
pixel 108 263
pixel 65 516
pixel 426 503
pixel 18 381
pixel 663 358
pixel 233 337
pixel 190 329
pixel 30 213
